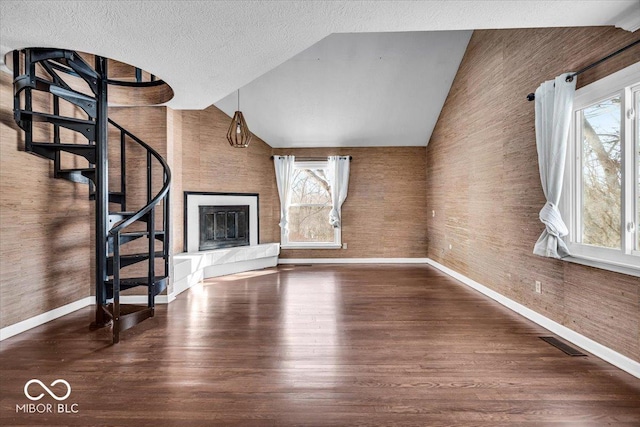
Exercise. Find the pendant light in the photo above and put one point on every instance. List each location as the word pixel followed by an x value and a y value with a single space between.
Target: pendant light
pixel 238 134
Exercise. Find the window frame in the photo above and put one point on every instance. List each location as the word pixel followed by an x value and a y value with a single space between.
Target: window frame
pixel 337 231
pixel 625 82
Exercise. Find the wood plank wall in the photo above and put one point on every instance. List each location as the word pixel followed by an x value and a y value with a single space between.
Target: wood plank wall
pixel 174 159
pixel 384 215
pixel 484 186
pixel 46 227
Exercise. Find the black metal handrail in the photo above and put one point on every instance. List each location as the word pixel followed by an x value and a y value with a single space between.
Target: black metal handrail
pixel 53 63
pixel 151 83
pixel 161 194
pixel 148 209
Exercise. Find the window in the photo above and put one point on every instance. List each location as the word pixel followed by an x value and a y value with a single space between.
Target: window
pixel 309 225
pixel 601 198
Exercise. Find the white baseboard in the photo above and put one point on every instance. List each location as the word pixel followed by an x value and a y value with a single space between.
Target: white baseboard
pixel 352 260
pixel 41 319
pixel 605 353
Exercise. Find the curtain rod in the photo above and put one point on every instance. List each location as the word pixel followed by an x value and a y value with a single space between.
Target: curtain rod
pixel 313 158
pixel 570 77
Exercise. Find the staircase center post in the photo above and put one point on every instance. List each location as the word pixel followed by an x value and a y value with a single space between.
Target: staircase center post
pixel 101 191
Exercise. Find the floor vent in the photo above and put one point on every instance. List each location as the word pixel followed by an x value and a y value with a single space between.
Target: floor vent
pixel 562 346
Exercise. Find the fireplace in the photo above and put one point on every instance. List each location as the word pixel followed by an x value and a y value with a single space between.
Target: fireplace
pixel 223 227
pixel 220 220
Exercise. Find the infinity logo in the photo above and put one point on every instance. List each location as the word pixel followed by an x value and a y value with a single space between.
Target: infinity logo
pixel 52 394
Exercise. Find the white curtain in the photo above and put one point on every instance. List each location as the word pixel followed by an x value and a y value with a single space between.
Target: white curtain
pixel 553 109
pixel 284 175
pixel 339 180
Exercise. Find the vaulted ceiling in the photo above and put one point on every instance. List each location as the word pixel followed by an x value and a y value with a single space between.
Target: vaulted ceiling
pixel 354 90
pixel 301 84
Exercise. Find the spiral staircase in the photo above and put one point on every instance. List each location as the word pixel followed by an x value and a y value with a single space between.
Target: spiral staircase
pixel 64 75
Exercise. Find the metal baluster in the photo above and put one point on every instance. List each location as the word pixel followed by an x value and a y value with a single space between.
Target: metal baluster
pixel 151 233
pixel 116 288
pixel 123 172
pixel 102 190
pixel 30 68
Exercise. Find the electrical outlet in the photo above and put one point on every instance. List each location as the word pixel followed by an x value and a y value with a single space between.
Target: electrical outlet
pixel 538 287
pixel 433 214
pixel 450 246
pixel 344 246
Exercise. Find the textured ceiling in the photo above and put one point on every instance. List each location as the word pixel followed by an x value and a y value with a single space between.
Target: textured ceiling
pixel 207 49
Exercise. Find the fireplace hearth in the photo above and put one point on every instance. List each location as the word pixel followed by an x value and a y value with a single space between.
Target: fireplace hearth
pixel 223 226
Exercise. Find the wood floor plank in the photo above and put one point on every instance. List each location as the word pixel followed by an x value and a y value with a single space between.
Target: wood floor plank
pixel 326 345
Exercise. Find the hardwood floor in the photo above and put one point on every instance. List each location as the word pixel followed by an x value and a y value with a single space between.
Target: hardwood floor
pixel 315 346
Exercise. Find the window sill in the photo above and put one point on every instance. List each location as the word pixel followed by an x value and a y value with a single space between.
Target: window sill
pixel 310 246
pixel 630 270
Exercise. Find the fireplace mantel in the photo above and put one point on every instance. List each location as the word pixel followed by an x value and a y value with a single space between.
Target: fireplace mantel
pixel 194 199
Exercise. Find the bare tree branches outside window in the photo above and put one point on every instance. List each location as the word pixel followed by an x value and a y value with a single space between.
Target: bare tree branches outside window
pixel 601 173
pixel 310 207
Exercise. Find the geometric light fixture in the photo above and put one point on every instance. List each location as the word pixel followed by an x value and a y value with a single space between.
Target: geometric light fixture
pixel 238 134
